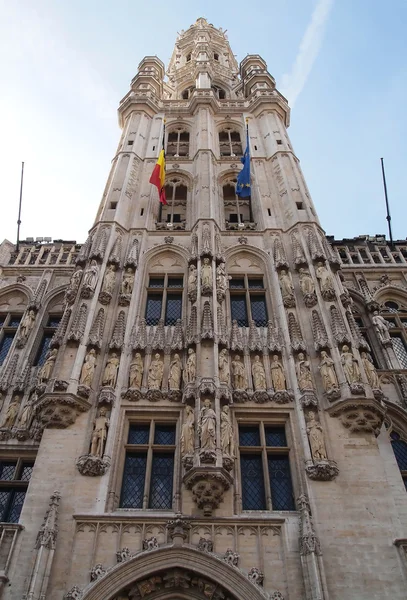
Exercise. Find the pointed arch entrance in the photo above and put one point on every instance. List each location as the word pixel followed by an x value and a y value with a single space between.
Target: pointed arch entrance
pixel 173 573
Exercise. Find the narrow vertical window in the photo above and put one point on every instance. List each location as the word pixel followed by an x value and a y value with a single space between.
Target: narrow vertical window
pixel 164 299
pixel 248 301
pixel 49 330
pixel 14 478
pixel 8 328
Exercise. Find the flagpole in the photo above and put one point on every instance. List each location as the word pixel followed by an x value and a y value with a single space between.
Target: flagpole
pixel 388 217
pixel 19 208
pixel 239 224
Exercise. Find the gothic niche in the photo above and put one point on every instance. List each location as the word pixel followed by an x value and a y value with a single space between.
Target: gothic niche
pixel 96 463
pixel 320 467
pixel 90 279
pixel 87 373
pixel 136 371
pixel 108 284
pixel 126 287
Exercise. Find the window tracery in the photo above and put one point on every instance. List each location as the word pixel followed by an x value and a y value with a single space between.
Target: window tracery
pixel 396 317
pixel 238 211
pixel 173 214
pixel 230 143
pixel 178 143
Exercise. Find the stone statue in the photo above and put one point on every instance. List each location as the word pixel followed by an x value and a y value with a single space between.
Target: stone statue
pixel 277 374
pixel 304 373
pixel 127 284
pixel 12 412
pixel 26 415
pixel 155 373
pixel 207 426
pixel 221 278
pixel 109 279
pixel 192 281
pixel 350 366
pixel 223 365
pixel 88 368
pixel 110 372
pixel 90 277
pixel 75 280
pixel 316 438
pixel 286 285
pixel 258 374
pixel 136 372
pixel 370 371
pixel 45 371
pixel 238 374
pixel 325 281
pixel 26 325
pixel 190 368
pixel 206 239
pixel 226 432
pixel 187 432
pixel 99 433
pixel 175 373
pixel 206 274
pixel 306 283
pixel 382 327
pixel 327 370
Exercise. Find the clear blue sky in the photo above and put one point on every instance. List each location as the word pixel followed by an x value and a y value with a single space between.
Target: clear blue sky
pixel 65 66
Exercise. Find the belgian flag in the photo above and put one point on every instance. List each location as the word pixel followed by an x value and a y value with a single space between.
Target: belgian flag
pixel 158 175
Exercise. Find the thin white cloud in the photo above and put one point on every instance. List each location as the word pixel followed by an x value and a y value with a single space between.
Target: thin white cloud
pixel 294 82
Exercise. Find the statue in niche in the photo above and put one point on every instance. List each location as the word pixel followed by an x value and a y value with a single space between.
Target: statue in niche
pixel 304 373
pixel 277 374
pixel 109 279
pixel 45 371
pixel 12 412
pixel 238 374
pixel 382 327
pixel 325 280
pixel 223 366
pixel 287 288
pixel 327 370
pixel 221 278
pixel 90 277
pixel 226 432
pixel 370 371
pixel 306 282
pixel 192 282
pixel 26 415
pixel 88 368
pixel 127 284
pixel 99 434
pixel 175 373
pixel 350 366
pixel 110 372
pixel 207 426
pixel 316 437
pixel 136 371
pixel 190 367
pixel 75 280
pixel 155 373
pixel 187 432
pixel 258 374
pixel 206 274
pixel 26 325
pixel 206 239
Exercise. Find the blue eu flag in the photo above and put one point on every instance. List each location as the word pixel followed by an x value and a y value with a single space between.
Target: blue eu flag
pixel 243 189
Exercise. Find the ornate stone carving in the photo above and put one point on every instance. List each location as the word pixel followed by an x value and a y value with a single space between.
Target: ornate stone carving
pixel 108 284
pixel 116 252
pixel 169 239
pixel 99 244
pixel 326 282
pixel 304 373
pixel 90 280
pixel 352 371
pixel 155 373
pixel 207 330
pixel 177 340
pixel 273 338
pixel 192 283
pixel 8 374
pixel 315 247
pixel 44 374
pixel 223 366
pixel 178 528
pixel 298 253
pixel 96 331
pixel 97 572
pixel 309 542
pixel 194 246
pixel 207 427
pixel 136 372
pixel 329 380
pixel 187 432
pixel 242 239
pixel 25 328
pixel 239 380
pixel 277 374
pixel 59 334
pixel 316 437
pixel 206 241
pixel 99 435
pixel 58 410
pixel 150 544
pixel 206 277
pixel 189 373
pixel 236 342
pixel 205 545
pixel 88 369
pixel 222 334
pixel 358 338
pixel 258 374
pixel 255 343
pixel 370 371
pixel 338 326
pixel 297 342
pixel 123 554
pixel 78 324
pixel 231 558
pixel 280 259
pixel 319 332
pixel 308 288
pixel 117 340
pixel 132 255
pixel 74 593
pixel 126 287
pixel 138 338
pixel 35 303
pixel 192 335
pixel 110 372
pixel 174 380
pixel 287 289
pixel 226 433
pixel 360 415
pixel 11 413
pixel 92 466
pixel 382 328
pixel 208 485
pixel 222 281
pixel 256 576
pixel 322 470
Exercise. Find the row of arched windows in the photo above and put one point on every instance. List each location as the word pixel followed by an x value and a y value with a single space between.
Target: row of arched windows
pixel 230 143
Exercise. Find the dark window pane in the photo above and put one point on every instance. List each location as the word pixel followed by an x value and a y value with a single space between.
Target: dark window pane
pixel 133 481
pixel 259 310
pixel 2 320
pixel 256 284
pixel 14 321
pixel 16 506
pixel 176 218
pixel 405 482
pixel 5 497
pixel 7 470
pixel 400 350
pixel 181 192
pixel 164 435
pixel 138 434
pixel 153 309
pixel 252 482
pixel 184 136
pixel 400 451
pixel 156 282
pixel 280 483
pixel 392 306
pixel 53 321
pixel 223 136
pixel 249 436
pixel 43 349
pixel 173 136
pixel 173 309
pixel 236 284
pixel 175 282
pixel 161 481
pixel 275 436
pixel 5 346
pixel 26 472
pixel 235 136
pixel 239 312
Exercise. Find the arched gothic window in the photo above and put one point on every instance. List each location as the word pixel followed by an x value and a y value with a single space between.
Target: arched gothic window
pixel 219 93
pixel 178 143
pixel 186 94
pixel 172 216
pixel 396 316
pixel 230 143
pixel 238 211
pixel 400 452
pixel 216 56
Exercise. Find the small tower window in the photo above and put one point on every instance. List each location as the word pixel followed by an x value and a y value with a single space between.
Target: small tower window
pixel 238 211
pixel 173 214
pixel 230 143
pixel 219 93
pixel 188 57
pixel 178 143
pixel 216 56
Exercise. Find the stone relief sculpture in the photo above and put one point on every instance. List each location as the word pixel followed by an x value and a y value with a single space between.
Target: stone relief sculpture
pixel 258 374
pixel 175 373
pixel 44 374
pixel 287 289
pixel 11 413
pixel 327 370
pixel 190 368
pixel 370 371
pixel 108 284
pixel 223 365
pixel 126 287
pixel 325 281
pixel 316 437
pixel 206 277
pixel 381 327
pixel 88 368
pixel 238 374
pixel 277 374
pixel 26 326
pixel 304 373
pixel 110 372
pixel 99 434
pixel 226 432
pixel 206 239
pixel 350 366
pixel 307 288
pixel 187 432
pixel 155 373
pixel 132 256
pixel 26 415
pixel 136 371
pixel 90 279
pixel 73 286
pixel 192 283
pixel 207 426
pixel 222 281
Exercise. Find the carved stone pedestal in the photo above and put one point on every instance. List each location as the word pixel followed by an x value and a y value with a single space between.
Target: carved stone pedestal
pixel 106 396
pixel 93 466
pixel 360 414
pixel 322 470
pixel 132 394
pixel 59 410
pixel 208 485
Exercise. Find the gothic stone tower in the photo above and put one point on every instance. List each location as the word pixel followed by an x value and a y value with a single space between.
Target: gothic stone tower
pixel 216 391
